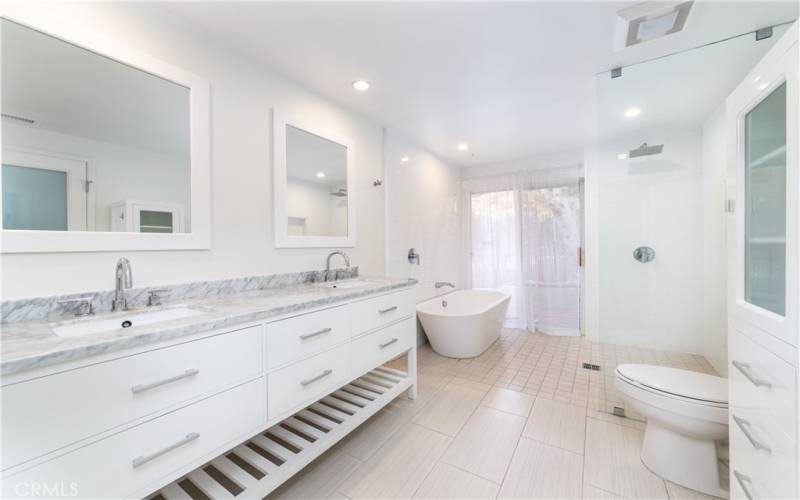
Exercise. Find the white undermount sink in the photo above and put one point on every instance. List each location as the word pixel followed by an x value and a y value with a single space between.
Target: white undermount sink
pixel 345 284
pixel 90 326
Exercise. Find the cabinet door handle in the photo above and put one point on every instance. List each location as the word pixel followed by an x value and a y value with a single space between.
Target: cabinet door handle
pixel 744 425
pixel 189 372
pixel 388 310
pixel 387 344
pixel 318 377
pixel 314 334
pixel 742 479
pixel 139 461
pixel 744 369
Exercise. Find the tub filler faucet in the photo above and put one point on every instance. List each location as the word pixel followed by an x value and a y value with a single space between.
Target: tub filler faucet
pixel 440 284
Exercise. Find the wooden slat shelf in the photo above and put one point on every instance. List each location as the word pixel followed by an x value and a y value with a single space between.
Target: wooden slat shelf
pixel 293 443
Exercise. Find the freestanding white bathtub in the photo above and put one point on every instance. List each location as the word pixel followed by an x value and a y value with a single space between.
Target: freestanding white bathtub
pixel 464 323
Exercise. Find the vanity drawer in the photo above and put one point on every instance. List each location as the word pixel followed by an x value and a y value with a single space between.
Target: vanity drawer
pixel 377 348
pixel 138 460
pixel 307 380
pixel 763 455
pixel 761 381
pixel 375 312
pixel 301 336
pixel 47 413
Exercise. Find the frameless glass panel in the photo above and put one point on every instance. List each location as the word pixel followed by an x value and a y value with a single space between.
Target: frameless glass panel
pixel 765 203
pixel 34 199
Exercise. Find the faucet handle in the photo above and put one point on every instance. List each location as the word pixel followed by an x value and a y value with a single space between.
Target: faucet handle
pixel 154 296
pixel 82 305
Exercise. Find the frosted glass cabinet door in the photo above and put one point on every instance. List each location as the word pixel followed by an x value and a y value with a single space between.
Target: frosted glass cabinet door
pixel 34 199
pixel 764 226
pixel 765 203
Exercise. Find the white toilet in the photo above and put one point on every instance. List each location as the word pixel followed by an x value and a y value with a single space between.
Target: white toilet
pixel 686 413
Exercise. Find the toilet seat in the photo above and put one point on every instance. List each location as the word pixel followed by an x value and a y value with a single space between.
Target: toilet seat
pixel 690 387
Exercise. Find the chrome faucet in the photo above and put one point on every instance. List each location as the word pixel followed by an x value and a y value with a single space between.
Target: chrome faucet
pixel 440 284
pixel 328 262
pixel 124 279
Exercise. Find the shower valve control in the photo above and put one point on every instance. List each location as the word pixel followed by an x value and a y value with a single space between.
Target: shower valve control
pixel 413 256
pixel 644 254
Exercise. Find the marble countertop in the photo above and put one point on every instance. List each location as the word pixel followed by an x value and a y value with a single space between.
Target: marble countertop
pixel 32 344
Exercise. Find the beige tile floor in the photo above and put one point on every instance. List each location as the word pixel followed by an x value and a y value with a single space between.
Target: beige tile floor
pixel 523 420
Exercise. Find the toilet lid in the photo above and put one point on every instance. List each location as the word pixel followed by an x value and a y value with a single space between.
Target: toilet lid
pixel 688 384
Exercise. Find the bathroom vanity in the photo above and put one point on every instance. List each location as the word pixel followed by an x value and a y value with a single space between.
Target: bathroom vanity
pixel 236 397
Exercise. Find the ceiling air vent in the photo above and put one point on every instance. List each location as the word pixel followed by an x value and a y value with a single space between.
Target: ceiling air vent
pixel 16 118
pixel 650 20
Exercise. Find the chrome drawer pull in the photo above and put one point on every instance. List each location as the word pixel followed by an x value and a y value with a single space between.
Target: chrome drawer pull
pixel 312 335
pixel 318 377
pixel 139 461
pixel 744 426
pixel 744 368
pixel 190 372
pixel 741 479
pixel 387 344
pixel 384 311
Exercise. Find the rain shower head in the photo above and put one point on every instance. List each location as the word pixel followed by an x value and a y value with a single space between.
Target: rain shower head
pixel 645 150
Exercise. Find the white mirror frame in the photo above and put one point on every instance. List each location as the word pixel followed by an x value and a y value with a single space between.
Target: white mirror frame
pixel 22 241
pixel 282 239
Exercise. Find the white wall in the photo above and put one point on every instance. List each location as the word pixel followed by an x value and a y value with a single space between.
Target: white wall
pixel 422 213
pixel 120 172
pixel 715 324
pixel 658 203
pixel 242 95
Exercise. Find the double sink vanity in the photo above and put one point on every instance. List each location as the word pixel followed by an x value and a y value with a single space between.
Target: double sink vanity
pixel 229 386
pixel 230 392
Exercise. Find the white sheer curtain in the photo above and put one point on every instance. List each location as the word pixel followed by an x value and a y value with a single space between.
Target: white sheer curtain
pixel 522 232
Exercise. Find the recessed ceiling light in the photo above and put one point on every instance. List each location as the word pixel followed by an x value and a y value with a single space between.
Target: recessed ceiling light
pixel 361 85
pixel 463 146
pixel 404 159
pixel 756 79
pixel 622 156
pixel 321 175
pixel 763 86
pixel 632 112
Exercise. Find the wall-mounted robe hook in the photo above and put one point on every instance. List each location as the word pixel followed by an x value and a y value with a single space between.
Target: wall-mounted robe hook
pixel 377 182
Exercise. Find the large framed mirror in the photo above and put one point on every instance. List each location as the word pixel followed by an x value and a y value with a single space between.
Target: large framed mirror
pixel 313 185
pixel 103 147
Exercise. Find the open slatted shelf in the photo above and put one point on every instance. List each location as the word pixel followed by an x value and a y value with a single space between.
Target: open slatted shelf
pixel 255 468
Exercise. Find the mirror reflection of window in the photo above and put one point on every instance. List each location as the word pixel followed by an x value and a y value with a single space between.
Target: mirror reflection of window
pixel 316 185
pixel 83 133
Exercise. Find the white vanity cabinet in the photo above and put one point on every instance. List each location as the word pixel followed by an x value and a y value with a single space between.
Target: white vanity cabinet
pixel 128 425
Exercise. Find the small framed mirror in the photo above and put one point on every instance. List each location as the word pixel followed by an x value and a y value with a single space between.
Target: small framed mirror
pixel 103 147
pixel 313 185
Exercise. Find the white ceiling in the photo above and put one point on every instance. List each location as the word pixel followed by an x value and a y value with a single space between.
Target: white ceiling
pixel 67 89
pixel 512 79
pixel 677 91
